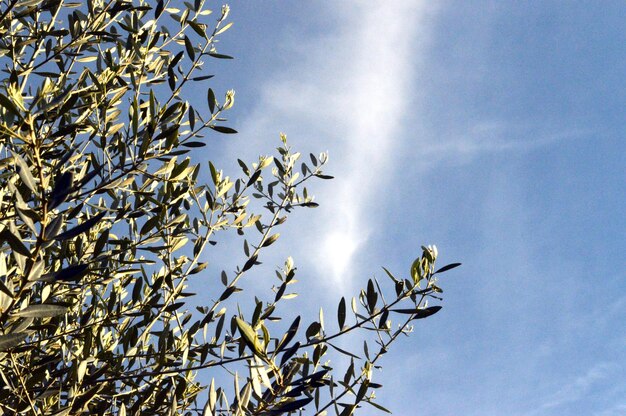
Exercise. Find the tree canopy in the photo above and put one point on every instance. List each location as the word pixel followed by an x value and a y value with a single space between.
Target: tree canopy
pixel 104 221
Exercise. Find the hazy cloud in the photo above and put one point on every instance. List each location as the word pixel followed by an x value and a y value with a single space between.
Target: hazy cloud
pixel 348 92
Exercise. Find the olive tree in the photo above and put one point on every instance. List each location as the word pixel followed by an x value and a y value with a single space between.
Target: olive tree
pixel 104 221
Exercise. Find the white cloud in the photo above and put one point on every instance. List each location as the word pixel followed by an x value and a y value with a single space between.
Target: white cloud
pixel 616 410
pixel 347 91
pixel 493 137
pixel 580 387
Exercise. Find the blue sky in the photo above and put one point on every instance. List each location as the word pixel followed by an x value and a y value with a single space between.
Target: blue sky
pixel 494 130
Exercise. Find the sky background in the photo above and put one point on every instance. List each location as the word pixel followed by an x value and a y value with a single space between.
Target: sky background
pixel 492 129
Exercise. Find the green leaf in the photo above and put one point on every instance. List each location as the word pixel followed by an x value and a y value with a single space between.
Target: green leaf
pixel 199 268
pixel 291 406
pixel 202 77
pixel 171 78
pixel 249 336
pixel 348 409
pixel 134 110
pixel 89 58
pixel 100 242
pixel 223 129
pixel 44 310
pixel 170 111
pixel 14 242
pixel 198 28
pixel 348 353
pixel 189 47
pixel 341 313
pixel 174 306
pixel 270 240
pixel 69 274
pixel 447 267
pixel 22 324
pixel 371 295
pixel 62 187
pixel 382 322
pixel 25 173
pixel 25 213
pixel 227 292
pixel 244 167
pixel 224 29
pixel 313 330
pixel 415 270
pixel 420 313
pixel 376 405
pixel 194 144
pixel 254 176
pixel 149 225
pixel 251 261
pixel 291 332
pixel 211 100
pixel 36 270
pixel 9 341
pixel 4 289
pixel 81 228
pixel 28 3
pixel 319 175
pixel 158 9
pixel 391 276
pixel 220 56
pixel 53 227
pixel 47 74
pixel 192 117
pixel 8 104
pixel 289 352
pixel 176 59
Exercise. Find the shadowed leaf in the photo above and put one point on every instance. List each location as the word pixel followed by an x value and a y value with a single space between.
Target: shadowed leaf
pixel 291 406
pixel 447 267
pixel 223 129
pixel 9 341
pixel 419 313
pixel 81 228
pixel 15 243
pixel 62 187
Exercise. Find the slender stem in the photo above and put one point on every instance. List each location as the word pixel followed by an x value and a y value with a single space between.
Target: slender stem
pixel 22 382
pixel 379 354
pixel 10 7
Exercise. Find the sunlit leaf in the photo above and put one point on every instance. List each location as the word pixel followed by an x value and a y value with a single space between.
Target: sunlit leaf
pixel 249 336
pixel 41 311
pixel 8 104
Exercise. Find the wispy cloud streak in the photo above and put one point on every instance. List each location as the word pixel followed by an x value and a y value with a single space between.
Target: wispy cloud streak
pixel 486 138
pixel 580 388
pixel 349 93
